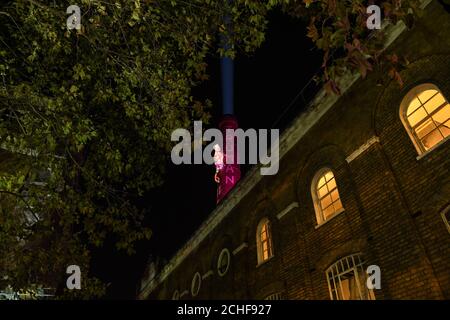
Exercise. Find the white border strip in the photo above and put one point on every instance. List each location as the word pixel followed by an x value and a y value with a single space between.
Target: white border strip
pixel 185 292
pixel 240 248
pixel 288 208
pixel 362 149
pixel 208 274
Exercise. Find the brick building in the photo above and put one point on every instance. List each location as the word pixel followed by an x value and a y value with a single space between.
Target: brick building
pixel 364 180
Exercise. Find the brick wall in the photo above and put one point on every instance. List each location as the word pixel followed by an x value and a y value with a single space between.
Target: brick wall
pixel 392 198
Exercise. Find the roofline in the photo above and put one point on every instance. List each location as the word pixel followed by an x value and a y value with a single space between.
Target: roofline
pixel 289 138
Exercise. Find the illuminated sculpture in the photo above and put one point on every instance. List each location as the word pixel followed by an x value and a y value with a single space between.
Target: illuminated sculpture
pixel 230 173
pixel 218 161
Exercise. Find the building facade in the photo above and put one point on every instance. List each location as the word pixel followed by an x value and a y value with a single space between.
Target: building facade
pixel 364 180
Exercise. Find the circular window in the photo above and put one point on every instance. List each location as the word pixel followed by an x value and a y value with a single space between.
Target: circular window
pixel 176 295
pixel 223 263
pixel 196 283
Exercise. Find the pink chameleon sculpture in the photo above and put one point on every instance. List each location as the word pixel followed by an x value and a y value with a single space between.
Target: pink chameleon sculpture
pixel 218 161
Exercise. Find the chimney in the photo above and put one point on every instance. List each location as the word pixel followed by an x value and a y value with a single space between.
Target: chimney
pixel 231 173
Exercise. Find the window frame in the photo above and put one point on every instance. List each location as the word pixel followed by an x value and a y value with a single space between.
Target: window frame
pixel 320 218
pixel 356 268
pixel 274 296
pixel 406 101
pixel 198 276
pixel 259 243
pixel 226 252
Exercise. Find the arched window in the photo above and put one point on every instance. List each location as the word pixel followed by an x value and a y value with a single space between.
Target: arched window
pixel 264 241
pixel 325 194
pixel 347 279
pixel 425 114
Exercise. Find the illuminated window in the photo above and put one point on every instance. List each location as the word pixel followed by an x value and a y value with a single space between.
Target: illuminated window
pixel 223 263
pixel 426 115
pixel 446 217
pixel 176 295
pixel 274 296
pixel 196 284
pixel 264 241
pixel 324 190
pixel 347 280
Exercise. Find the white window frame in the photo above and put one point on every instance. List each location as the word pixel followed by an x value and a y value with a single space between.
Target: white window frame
pixel 274 296
pixel 320 219
pixel 352 263
pixel 259 243
pixel 413 93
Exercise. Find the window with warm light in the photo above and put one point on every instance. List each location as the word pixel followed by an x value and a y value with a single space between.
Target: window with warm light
pixel 347 280
pixel 325 194
pixel 264 241
pixel 425 112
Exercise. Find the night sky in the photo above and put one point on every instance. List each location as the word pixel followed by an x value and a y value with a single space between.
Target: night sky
pixel 266 84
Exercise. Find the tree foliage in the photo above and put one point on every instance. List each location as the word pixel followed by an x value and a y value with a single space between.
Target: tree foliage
pixel 339 29
pixel 89 113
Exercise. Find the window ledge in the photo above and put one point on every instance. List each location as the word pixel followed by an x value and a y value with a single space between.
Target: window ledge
pixel 444 217
pixel 330 218
pixel 433 148
pixel 264 262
